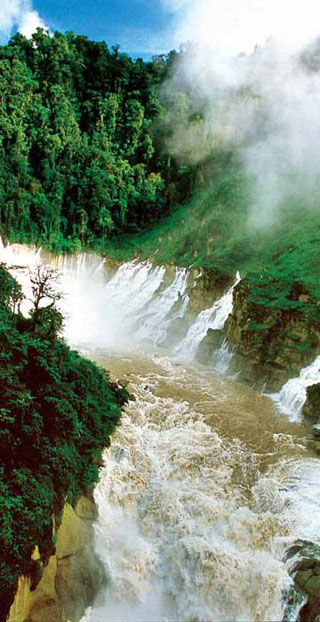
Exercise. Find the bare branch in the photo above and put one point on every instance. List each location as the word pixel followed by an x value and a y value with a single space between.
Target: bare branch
pixel 44 283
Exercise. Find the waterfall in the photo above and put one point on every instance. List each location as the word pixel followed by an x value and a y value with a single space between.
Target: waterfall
pixel 102 307
pixel 121 308
pixel 292 397
pixel 215 318
pixel 222 358
pixel 156 318
pixel 204 486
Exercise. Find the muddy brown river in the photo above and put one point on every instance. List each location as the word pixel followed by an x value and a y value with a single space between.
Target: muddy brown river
pixel 206 484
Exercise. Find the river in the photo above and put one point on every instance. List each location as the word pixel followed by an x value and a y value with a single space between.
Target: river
pixel 206 483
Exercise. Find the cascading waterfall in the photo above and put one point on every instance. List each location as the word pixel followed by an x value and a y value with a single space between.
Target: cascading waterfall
pixel 157 317
pixel 222 358
pixel 292 397
pixel 126 307
pixel 214 318
pixel 196 508
pixel 103 307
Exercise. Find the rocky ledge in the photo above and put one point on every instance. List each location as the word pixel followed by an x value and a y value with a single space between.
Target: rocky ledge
pixel 72 577
pixel 273 335
pixel 311 409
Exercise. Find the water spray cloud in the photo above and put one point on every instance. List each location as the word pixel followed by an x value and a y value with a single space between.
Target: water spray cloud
pixel 265 101
pixel 238 25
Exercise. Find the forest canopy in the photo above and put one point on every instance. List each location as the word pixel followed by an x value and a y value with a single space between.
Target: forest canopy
pixel 79 154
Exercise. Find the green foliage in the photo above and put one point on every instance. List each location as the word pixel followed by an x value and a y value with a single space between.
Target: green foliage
pixel 57 411
pixel 281 265
pixel 90 156
pixel 78 158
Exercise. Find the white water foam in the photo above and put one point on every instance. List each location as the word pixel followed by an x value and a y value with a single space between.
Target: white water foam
pixel 156 318
pixel 179 536
pixel 189 528
pixel 176 538
pixel 214 318
pixel 292 397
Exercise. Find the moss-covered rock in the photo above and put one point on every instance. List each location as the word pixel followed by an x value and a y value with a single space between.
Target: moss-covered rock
pixel 311 408
pixel 209 345
pixel 274 329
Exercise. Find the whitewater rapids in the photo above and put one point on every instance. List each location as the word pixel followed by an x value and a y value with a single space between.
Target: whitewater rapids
pixel 205 485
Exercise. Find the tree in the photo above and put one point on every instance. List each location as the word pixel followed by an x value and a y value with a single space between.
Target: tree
pixel 57 412
pixel 44 283
pixel 80 144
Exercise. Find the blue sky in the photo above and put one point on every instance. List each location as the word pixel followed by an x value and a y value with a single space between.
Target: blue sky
pixel 141 27
pixel 147 27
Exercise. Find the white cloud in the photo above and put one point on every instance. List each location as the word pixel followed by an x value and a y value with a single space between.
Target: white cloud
pixel 9 13
pixel 19 13
pixel 29 22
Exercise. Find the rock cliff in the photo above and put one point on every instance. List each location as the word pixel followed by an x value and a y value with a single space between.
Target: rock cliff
pixel 71 578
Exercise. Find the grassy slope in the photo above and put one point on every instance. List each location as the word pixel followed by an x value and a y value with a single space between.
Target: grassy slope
pixel 211 231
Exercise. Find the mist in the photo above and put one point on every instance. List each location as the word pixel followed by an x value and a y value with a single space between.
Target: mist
pixel 251 74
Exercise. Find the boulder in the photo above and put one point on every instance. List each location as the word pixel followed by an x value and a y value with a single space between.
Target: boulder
pixel 209 345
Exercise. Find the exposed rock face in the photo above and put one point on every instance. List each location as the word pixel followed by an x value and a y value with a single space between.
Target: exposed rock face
pixel 311 408
pixel 72 577
pixel 210 344
pixel 306 574
pixel 272 343
pixel 204 289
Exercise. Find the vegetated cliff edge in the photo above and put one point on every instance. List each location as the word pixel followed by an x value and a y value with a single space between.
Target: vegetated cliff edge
pixel 274 329
pixel 57 413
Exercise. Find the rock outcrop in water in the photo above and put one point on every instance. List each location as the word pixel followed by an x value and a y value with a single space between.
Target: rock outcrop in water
pixel 311 408
pixel 210 344
pixel 306 574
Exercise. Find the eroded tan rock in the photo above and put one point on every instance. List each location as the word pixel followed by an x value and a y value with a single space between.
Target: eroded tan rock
pixel 71 578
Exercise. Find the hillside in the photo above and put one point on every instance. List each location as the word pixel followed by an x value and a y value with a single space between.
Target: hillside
pixel 90 158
